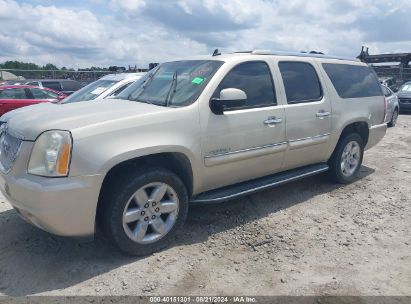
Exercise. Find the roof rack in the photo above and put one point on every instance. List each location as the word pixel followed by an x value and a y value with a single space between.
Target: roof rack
pixel 297 54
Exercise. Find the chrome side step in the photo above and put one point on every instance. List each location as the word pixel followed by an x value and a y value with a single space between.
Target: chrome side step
pixel 246 188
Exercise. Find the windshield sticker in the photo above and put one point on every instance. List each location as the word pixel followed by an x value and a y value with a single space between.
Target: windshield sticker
pixel 198 80
pixel 98 91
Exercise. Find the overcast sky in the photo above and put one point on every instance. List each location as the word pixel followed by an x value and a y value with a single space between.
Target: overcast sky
pixel 76 33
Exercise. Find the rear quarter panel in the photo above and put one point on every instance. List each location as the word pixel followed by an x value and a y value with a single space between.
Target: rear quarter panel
pixel 346 111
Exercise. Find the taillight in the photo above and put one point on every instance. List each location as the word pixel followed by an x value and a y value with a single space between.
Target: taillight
pixel 385 109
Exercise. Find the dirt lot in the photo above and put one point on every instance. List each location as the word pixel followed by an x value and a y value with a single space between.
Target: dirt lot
pixel 310 237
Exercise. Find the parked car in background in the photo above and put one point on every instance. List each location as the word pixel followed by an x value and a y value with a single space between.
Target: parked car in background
pixel 107 86
pixel 67 86
pixel 393 108
pixel 17 96
pixel 389 82
pixel 404 97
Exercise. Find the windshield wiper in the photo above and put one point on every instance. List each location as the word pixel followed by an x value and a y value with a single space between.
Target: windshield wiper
pixel 172 90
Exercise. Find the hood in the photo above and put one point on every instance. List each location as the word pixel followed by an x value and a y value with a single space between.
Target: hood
pixel 30 121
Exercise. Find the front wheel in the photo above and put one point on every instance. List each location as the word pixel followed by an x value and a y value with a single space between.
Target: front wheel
pixel 393 120
pixel 347 158
pixel 141 214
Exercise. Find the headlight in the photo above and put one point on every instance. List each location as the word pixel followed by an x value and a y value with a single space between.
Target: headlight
pixel 51 154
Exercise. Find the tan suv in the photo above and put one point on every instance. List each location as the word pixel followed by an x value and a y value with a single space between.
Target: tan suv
pixel 199 130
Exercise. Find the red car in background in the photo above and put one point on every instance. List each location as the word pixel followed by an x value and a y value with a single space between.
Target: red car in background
pixel 17 96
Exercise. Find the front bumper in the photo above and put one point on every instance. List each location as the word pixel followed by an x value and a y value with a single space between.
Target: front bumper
pixel 62 206
pixel 376 133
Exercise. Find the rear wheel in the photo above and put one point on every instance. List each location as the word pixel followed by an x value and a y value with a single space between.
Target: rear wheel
pixel 347 158
pixel 394 118
pixel 141 215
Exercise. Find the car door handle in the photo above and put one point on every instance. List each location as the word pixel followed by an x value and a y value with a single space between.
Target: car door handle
pixel 322 114
pixel 272 121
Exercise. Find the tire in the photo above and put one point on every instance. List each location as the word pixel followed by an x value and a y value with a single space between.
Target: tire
pixel 133 221
pixel 393 120
pixel 346 173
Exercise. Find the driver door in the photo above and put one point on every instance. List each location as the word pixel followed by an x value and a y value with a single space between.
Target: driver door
pixel 246 141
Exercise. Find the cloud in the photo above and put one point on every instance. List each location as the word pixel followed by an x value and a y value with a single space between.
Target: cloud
pixel 120 32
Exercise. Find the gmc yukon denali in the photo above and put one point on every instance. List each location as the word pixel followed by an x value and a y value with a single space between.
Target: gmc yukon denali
pixel 199 130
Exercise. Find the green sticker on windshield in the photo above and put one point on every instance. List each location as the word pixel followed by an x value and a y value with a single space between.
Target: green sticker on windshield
pixel 197 80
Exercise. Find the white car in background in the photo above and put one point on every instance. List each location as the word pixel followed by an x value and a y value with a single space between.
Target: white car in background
pixel 107 86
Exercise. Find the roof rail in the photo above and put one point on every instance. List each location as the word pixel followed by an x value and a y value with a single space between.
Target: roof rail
pixel 282 53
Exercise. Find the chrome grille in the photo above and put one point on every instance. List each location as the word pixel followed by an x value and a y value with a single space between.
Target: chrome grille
pixel 9 149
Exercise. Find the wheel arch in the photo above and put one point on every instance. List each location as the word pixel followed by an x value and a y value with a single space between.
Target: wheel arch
pixel 177 162
pixel 360 127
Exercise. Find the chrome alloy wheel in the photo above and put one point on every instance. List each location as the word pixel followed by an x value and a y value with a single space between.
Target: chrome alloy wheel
pixel 150 213
pixel 350 158
pixel 394 118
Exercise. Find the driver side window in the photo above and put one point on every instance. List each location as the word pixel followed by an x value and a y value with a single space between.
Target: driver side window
pixel 254 78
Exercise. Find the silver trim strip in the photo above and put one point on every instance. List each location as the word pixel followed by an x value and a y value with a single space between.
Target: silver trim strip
pixel 244 154
pixel 246 150
pixel 308 141
pixel 266 146
pixel 262 187
pixel 310 137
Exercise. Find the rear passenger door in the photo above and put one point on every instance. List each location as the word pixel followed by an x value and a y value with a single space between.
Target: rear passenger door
pixel 307 111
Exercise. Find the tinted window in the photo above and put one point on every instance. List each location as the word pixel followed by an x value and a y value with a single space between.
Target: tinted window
pixel 353 81
pixel 54 85
pixel 13 94
pixel 42 94
pixel 70 85
pixel 300 82
pixel 254 78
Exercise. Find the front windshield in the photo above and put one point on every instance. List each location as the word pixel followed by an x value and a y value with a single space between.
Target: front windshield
pixel 406 88
pixel 177 83
pixel 91 91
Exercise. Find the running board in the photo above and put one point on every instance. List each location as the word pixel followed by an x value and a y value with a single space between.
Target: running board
pixel 246 188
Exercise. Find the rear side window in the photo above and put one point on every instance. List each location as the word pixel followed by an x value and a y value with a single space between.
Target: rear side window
pixel 13 94
pixel 301 82
pixel 254 78
pixel 42 94
pixel 54 85
pixel 353 81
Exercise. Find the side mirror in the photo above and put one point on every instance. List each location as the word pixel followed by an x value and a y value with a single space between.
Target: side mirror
pixel 228 98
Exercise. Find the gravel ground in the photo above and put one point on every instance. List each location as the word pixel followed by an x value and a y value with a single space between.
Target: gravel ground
pixel 310 237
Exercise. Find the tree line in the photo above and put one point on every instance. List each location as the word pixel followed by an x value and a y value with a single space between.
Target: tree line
pixel 49 66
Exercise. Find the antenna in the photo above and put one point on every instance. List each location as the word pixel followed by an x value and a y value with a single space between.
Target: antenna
pixel 216 53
